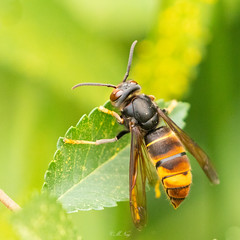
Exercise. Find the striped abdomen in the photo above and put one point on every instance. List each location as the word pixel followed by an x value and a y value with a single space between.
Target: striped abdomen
pixel 171 162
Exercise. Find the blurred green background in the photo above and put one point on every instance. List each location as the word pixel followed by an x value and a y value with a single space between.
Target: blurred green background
pixel 187 50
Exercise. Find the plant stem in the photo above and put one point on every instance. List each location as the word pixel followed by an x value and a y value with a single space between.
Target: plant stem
pixel 8 202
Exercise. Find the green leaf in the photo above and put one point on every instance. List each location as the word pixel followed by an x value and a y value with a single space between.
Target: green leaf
pixel 44 218
pixel 85 177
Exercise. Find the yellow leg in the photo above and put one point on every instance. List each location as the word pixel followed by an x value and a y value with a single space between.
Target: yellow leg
pixel 157 190
pixel 71 141
pixel 98 142
pixel 112 113
pixel 172 105
pixel 101 141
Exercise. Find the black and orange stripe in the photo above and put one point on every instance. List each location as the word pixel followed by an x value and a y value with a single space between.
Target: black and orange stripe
pixel 172 164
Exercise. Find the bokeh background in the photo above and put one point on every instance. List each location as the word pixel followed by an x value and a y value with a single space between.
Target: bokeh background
pixel 188 50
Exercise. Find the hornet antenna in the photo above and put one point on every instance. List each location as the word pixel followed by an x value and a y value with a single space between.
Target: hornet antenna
pixel 129 60
pixel 93 84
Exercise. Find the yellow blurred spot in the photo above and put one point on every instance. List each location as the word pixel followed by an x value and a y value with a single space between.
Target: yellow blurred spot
pixel 166 63
pixel 192 56
pixel 210 1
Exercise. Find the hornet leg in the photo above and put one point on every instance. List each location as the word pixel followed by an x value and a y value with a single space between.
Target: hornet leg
pixel 101 141
pixel 97 142
pixel 112 113
pixel 157 190
pixel 169 109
